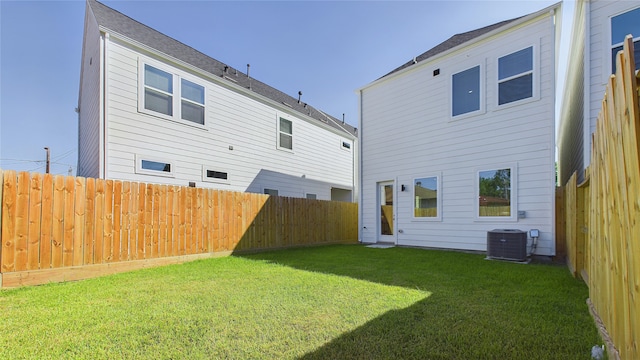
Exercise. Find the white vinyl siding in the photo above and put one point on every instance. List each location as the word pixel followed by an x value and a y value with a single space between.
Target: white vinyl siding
pixel 237 137
pixel 89 102
pixel 519 136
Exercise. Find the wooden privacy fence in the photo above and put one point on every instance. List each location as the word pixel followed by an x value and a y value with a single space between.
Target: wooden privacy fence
pixel 603 214
pixel 51 224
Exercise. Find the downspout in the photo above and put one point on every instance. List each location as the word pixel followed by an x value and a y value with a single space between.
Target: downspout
pixel 103 117
pixel 586 87
pixel 556 42
pixel 360 162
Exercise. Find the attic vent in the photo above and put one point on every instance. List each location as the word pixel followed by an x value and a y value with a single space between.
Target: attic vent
pixel 507 244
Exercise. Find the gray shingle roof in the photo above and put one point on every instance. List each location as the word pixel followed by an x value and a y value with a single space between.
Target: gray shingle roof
pixel 452 42
pixel 117 22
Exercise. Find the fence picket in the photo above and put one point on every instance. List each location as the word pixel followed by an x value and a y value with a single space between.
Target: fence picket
pixel 116 216
pixel 46 222
pixel 89 221
pixel 35 211
pixel 69 221
pixel 58 222
pixel 79 220
pixel 9 198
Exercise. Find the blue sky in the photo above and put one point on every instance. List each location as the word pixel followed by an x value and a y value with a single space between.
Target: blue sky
pixel 326 49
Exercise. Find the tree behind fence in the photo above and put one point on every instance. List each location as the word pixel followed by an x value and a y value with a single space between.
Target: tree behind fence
pixel 62 221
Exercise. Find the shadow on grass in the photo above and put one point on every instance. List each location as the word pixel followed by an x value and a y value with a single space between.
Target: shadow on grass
pixel 478 309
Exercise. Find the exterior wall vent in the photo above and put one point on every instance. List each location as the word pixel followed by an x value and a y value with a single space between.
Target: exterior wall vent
pixel 507 244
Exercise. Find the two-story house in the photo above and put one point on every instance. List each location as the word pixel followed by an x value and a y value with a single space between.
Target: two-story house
pixel 460 140
pixel 599 28
pixel 153 109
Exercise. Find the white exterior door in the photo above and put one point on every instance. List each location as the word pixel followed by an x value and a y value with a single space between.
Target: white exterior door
pixel 386 212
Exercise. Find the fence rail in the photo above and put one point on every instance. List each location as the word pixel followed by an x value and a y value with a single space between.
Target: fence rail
pixel 603 214
pixel 56 222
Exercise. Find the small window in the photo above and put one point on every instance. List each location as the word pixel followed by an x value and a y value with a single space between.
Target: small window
pixel 621 26
pixel 346 145
pixel 158 90
pixel 150 166
pixel 515 76
pixel 272 192
pixel 212 174
pixel 285 134
pixel 156 166
pixel 466 91
pixel 311 196
pixel 192 102
pixel 494 193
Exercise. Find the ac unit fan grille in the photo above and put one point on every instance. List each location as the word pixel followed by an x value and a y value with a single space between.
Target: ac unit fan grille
pixel 507 244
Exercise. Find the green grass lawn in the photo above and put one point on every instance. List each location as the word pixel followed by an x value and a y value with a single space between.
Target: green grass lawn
pixel 333 302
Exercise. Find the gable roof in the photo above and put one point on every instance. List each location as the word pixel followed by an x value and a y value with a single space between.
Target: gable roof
pixel 452 42
pixel 113 20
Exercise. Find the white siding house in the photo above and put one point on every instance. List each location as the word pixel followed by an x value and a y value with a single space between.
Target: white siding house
pixel 598 31
pixel 153 109
pixel 460 140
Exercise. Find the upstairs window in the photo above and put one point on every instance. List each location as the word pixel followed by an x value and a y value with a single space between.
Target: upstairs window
pixel 170 96
pixel 192 102
pixel 466 91
pixel 621 26
pixel 285 134
pixel 158 90
pixel 515 76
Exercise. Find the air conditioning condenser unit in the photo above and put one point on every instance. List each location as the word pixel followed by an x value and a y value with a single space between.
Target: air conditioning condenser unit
pixel 507 244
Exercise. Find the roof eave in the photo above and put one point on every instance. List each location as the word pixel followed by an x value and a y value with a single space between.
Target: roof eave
pixel 229 84
pixel 518 22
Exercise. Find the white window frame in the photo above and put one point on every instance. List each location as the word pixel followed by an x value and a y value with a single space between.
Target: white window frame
pixel 535 88
pixel 278 132
pixel 482 96
pixel 205 178
pixel 438 177
pixel 140 170
pixel 609 46
pixel 514 193
pixel 176 78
